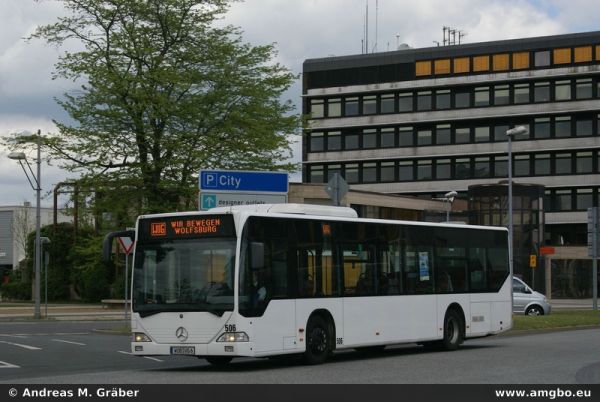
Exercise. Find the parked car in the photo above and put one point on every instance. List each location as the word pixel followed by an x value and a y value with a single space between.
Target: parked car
pixel 528 301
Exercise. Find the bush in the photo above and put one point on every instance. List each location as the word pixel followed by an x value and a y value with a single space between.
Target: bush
pixel 89 275
pixel 18 287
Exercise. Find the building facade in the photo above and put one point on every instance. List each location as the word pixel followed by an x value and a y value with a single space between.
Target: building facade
pixel 427 121
pixel 16 223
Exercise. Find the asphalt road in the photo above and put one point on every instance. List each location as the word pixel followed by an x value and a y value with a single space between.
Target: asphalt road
pixel 65 353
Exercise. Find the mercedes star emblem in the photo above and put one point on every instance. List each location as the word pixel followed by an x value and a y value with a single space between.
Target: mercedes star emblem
pixel 181 334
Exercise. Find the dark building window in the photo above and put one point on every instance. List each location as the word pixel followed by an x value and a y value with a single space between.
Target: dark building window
pixel 424 100
pixel 370 104
pixel 482 167
pixel 521 164
pixel 463 168
pixel 482 96
pixel 424 170
pixel 405 171
pixel 443 169
pixel 501 95
pixel 542 165
pixel 541 91
pixel 351 106
pixel 317 142
pixel 584 198
pixel 406 137
pixel 388 171
pixel 369 172
pixel 462 100
pixel 482 134
pixel 388 137
pixel 562 127
pixel 562 164
pixel 583 88
pixel 521 93
pixel 563 200
pixel 501 166
pixel 369 138
pixel 405 102
pixel 500 133
pixel 583 127
pixel 316 174
pixel 442 99
pixel 462 135
pixel 424 137
pixel 542 127
pixel 351 173
pixel 351 141
pixel 333 169
pixel 584 162
pixel 388 103
pixel 334 141
pixel 443 134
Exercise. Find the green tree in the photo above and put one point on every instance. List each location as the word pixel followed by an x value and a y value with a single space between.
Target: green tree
pixel 165 92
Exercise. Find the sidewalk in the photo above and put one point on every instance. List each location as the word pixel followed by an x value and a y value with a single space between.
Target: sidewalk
pixel 66 312
pixel 571 304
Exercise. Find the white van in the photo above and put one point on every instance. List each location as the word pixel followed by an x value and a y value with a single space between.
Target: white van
pixel 528 301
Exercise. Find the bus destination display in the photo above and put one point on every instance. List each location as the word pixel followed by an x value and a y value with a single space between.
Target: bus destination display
pixel 187 227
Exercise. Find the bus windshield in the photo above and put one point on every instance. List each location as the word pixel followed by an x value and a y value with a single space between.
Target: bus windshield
pixel 184 275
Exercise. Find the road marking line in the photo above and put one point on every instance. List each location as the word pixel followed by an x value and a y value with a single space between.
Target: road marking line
pixel 21 346
pixel 125 353
pixel 153 358
pixel 70 342
pixel 7 365
pixel 14 336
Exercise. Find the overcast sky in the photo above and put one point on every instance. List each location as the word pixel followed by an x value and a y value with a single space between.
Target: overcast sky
pixel 301 29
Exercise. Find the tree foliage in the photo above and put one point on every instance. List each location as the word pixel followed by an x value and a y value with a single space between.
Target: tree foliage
pixel 165 91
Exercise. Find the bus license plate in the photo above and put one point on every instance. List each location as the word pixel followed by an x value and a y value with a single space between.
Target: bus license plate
pixel 183 350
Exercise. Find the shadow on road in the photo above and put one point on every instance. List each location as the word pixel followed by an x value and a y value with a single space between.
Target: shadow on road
pixel 279 362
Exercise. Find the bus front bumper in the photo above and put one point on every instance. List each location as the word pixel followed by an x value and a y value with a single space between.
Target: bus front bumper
pixel 186 349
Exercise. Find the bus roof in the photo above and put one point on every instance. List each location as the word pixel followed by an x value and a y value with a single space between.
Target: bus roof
pixel 312 210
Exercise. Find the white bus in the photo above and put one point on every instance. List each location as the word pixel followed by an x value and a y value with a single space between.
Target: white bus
pixel 268 280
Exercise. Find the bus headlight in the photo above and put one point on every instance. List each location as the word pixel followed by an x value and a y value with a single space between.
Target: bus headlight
pixel 141 337
pixel 233 337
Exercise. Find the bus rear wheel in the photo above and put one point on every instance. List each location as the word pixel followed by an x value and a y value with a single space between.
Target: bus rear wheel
pixel 318 340
pixel 219 361
pixel 454 333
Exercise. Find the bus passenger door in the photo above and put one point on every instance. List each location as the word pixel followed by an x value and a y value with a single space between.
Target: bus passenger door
pixel 318 279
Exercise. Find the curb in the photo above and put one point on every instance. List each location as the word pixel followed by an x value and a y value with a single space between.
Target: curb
pixel 519 332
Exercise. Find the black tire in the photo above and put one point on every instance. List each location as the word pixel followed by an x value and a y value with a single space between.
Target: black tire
pixel 219 361
pixel 534 310
pixel 318 340
pixel 454 330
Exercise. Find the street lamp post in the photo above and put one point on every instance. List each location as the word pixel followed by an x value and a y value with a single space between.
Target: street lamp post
pixel 450 199
pixel 20 156
pixel 519 130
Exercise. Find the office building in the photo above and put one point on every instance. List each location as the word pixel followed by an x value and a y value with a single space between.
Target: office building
pixel 423 122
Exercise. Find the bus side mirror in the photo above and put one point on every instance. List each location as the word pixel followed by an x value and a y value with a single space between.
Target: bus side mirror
pixel 108 239
pixel 257 255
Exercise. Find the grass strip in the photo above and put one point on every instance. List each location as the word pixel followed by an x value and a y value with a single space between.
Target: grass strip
pixel 558 319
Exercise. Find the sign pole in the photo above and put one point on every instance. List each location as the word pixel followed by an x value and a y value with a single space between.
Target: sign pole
pixel 595 260
pixel 126 273
pixel 593 237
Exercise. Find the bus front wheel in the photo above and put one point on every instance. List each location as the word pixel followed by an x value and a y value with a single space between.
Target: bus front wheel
pixel 453 330
pixel 318 340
